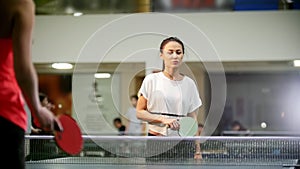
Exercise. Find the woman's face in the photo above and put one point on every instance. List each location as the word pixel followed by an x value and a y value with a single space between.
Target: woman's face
pixel 47 104
pixel 172 54
pixel 236 128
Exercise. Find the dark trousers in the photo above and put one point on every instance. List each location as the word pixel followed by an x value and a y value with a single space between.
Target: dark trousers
pixel 12 145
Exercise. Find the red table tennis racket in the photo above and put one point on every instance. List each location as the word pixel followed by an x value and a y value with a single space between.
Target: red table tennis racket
pixel 70 139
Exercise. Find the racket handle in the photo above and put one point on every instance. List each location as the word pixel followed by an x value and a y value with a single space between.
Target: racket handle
pixel 57 127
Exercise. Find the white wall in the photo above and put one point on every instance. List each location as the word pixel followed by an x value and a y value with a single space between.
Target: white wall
pixel 237 36
pixel 95 117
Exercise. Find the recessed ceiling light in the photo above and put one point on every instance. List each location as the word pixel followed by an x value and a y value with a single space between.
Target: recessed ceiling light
pixel 102 75
pixel 296 63
pixel 77 13
pixel 62 66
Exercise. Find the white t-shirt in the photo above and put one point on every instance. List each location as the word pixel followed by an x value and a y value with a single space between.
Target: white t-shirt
pixel 169 96
pixel 135 125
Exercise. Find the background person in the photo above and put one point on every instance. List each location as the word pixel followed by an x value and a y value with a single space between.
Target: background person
pixel 134 126
pixel 237 126
pixel 40 148
pixel 44 100
pixel 119 125
pixel 200 128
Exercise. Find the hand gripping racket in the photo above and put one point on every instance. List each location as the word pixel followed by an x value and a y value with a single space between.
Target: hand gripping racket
pixel 188 125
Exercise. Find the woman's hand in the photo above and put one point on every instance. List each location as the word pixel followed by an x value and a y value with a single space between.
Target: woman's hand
pixel 197 156
pixel 172 123
pixel 35 130
pixel 47 121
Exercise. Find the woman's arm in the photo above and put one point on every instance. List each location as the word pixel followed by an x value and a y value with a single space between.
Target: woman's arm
pixel 23 21
pixel 143 114
pixel 197 154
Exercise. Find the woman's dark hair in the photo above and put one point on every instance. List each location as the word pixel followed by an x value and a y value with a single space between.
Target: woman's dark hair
pixel 42 96
pixel 134 96
pixel 167 40
pixel 237 123
pixel 171 39
pixel 117 119
pixel 200 125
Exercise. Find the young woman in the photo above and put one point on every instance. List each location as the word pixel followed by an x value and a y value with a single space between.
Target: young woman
pixel 17 79
pixel 168 92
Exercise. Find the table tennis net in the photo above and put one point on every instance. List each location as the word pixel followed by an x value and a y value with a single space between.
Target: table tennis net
pixel 173 150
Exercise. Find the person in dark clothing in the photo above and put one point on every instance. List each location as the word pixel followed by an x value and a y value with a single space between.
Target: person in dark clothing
pixel 237 126
pixel 119 125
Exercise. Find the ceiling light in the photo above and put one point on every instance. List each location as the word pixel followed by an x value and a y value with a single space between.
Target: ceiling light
pixel 102 75
pixel 62 66
pixel 296 63
pixel 77 13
